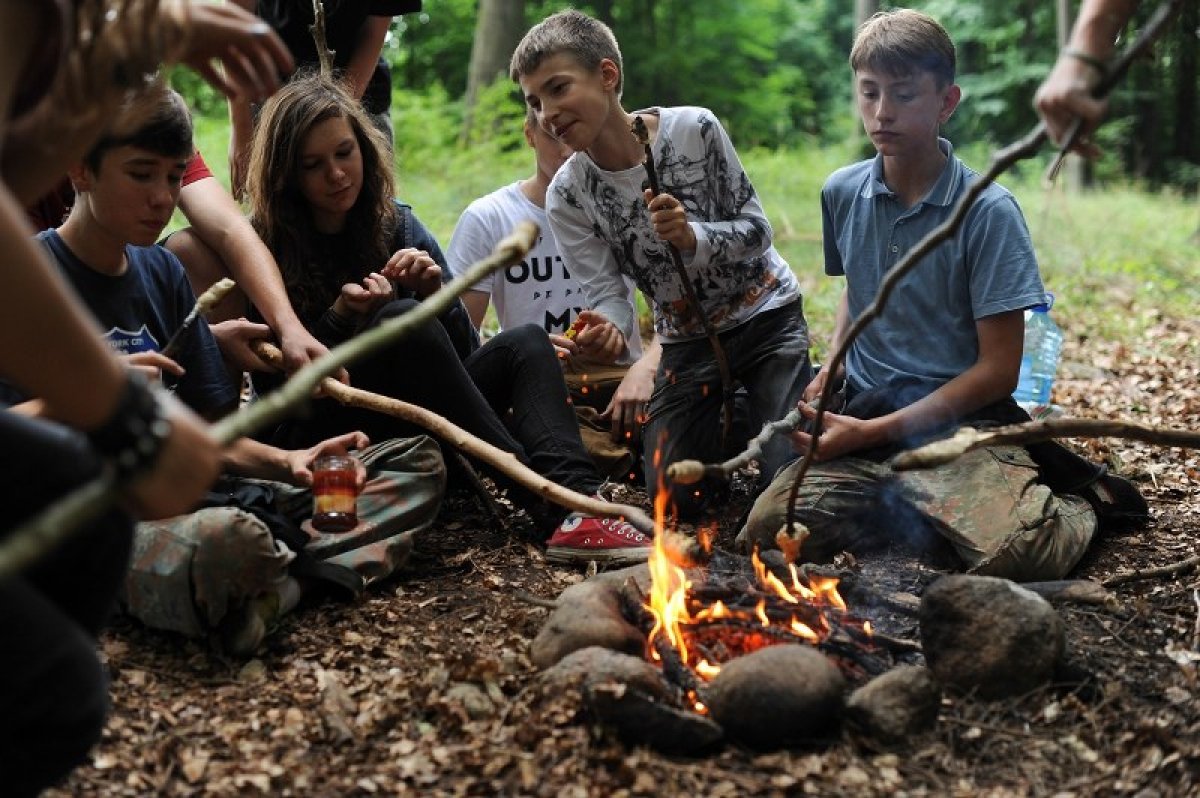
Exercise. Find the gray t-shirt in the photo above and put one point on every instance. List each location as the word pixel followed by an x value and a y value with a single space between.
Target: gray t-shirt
pixel 927 329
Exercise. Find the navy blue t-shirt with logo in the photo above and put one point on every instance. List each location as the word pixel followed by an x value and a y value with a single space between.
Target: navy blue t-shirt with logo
pixel 141 309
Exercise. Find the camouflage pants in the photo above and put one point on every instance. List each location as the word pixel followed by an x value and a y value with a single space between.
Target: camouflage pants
pixel 988 505
pixel 190 571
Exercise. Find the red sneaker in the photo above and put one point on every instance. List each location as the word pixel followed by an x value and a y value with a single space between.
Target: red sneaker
pixel 582 538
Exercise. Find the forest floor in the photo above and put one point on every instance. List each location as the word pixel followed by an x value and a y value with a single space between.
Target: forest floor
pixel 368 698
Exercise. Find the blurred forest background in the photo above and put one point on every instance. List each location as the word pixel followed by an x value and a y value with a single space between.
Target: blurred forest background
pixel 1118 257
pixel 775 71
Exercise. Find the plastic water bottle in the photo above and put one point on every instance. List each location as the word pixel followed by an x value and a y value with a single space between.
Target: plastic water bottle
pixel 1039 358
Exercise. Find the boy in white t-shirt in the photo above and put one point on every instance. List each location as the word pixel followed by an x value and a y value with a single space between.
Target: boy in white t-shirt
pixel 540 290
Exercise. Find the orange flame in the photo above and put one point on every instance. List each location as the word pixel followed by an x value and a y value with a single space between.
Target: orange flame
pixel 678 619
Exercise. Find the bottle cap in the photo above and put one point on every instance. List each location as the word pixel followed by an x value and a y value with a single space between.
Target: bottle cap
pixel 1045 306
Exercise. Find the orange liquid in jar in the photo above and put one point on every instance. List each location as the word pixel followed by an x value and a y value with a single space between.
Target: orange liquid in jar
pixel 335 496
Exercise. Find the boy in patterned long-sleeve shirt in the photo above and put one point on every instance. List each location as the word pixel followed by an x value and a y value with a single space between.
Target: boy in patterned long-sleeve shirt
pixel 608 225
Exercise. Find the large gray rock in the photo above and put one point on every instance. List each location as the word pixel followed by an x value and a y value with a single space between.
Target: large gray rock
pixel 777 696
pixel 588 614
pixel 895 707
pixel 989 636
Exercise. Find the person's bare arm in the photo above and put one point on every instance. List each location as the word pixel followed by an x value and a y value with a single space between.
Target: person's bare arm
pixel 627 409
pixel 476 303
pixel 219 223
pixel 251 458
pixel 366 53
pixel 1065 94
pixel 992 377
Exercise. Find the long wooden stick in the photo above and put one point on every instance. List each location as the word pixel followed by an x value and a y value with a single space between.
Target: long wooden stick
pixel 464 441
pixel 42 533
pixel 642 134
pixel 1152 573
pixel 1001 161
pixel 968 438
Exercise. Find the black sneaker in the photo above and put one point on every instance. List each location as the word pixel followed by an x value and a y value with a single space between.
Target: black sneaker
pixel 1118 504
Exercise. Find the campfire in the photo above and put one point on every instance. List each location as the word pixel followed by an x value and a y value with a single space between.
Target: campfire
pixel 701 646
pixel 697 622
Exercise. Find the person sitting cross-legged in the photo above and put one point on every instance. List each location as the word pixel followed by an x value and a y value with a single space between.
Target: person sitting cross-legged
pixel 945 352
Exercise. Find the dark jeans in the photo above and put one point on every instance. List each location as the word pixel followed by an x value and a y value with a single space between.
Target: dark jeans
pixel 768 356
pixel 510 393
pixel 53 693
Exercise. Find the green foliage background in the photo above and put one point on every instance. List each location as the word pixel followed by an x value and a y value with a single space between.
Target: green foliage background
pixel 776 73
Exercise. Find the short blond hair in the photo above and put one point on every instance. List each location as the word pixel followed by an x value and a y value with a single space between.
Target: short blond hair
pixel 586 39
pixel 902 42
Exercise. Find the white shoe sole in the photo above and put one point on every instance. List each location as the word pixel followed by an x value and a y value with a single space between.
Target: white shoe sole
pixel 570 556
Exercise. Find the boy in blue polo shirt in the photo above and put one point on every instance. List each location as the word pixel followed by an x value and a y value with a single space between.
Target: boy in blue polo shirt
pixel 946 350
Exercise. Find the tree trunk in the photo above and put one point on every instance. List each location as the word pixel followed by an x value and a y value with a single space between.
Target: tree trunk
pixel 498 28
pixel 863 9
pixel 1186 146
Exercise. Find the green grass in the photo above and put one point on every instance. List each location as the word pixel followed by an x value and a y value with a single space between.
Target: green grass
pixel 1117 259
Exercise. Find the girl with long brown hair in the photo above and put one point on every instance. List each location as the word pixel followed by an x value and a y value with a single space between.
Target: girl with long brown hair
pixel 321 194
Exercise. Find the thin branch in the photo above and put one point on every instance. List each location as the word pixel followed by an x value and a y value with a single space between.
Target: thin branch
pixel 317 29
pixel 968 438
pixel 1152 573
pixel 642 134
pixel 204 303
pixel 41 534
pixel 459 438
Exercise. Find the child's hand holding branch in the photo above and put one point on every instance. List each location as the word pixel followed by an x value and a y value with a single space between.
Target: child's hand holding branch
pixel 670 221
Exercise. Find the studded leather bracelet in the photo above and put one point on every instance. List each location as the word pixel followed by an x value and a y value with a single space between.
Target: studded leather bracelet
pixel 133 436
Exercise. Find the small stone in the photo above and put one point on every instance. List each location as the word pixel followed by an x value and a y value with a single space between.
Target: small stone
pixel 472 699
pixel 893 708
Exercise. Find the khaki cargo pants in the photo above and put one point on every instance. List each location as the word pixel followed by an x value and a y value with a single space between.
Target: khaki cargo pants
pixel 987 504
